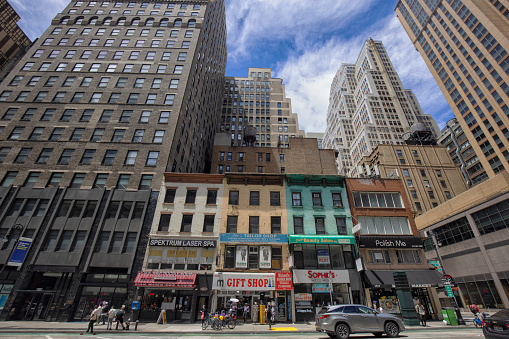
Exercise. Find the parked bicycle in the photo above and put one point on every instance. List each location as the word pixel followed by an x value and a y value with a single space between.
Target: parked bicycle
pixel 479 319
pixel 220 321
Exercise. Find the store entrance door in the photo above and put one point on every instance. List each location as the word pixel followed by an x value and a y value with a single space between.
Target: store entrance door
pixel 36 306
pixel 183 305
pixel 281 307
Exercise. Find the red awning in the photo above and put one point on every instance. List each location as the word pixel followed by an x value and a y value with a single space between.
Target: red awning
pixel 163 279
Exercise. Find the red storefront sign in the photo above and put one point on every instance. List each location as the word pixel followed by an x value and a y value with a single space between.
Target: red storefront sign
pixel 284 281
pixel 161 279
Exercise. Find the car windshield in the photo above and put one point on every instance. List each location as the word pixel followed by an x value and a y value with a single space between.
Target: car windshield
pixel 501 314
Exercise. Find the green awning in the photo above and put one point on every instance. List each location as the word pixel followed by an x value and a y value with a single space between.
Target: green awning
pixel 322 239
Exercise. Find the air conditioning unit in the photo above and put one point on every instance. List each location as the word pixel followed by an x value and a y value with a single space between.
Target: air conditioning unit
pixel 337 205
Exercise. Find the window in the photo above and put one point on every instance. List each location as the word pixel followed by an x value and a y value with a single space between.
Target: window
pixel 51 241
pixel 3 153
pixel 448 194
pixel 35 79
pixel 16 133
pixel 145 182
pixel 298 225
pixel 123 181
pixel 16 80
pixel 174 83
pixel 191 196
pixel 59 96
pixel 22 155
pixel 77 180
pixel 431 195
pixel 426 183
pixel 67 115
pixel 44 155
pixel 320 225
pixel 87 157
pixel 77 97
pixel 158 136
pixel 281 157
pixel 410 183
pixel 139 82
pixel 254 198
pixel 379 256
pixel 138 135
pixel 54 180
pixel 65 157
pixel 377 199
pixel 317 199
pixel 5 95
pixel 275 225
pixel 9 114
pixel 87 115
pixel 100 180
pixel 118 135
pixel 152 158
pixel 169 196
pixel 9 178
pixel 233 198
pixel 133 98
pixel 169 99
pixel 109 157
pixel 36 133
pixel 231 224
pixel 408 257
pixel 187 222
pixel 131 157
pixel 151 99
pixel 23 95
pixel 164 223
pixel 337 201
pixel 125 116
pixel 56 134
pixel 414 194
pixel 178 69
pixel 341 226
pixel 443 184
pixel 31 179
pixel 274 199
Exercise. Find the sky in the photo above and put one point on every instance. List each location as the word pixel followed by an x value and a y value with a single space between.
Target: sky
pixel 304 43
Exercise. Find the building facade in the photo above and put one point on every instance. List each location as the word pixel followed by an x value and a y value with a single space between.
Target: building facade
pixel 12 38
pixel 322 246
pixel 470 233
pixel 114 94
pixel 318 136
pixel 368 105
pixel 389 242
pixel 464 44
pixel 260 101
pixel 182 249
pixel 302 156
pixel 429 176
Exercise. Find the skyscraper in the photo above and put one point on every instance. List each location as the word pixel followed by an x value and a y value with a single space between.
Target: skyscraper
pixel 464 44
pixel 13 39
pixel 260 101
pixel 111 96
pixel 368 105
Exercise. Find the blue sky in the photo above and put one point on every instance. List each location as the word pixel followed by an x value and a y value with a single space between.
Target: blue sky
pixel 304 42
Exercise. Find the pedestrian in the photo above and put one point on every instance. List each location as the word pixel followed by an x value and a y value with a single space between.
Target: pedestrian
pixel 93 319
pixel 421 313
pixel 120 317
pixel 203 315
pixel 104 312
pixel 111 317
pixel 246 312
pixel 268 315
pixel 381 309
pixel 98 318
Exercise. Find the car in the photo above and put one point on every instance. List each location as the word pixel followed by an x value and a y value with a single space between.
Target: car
pixel 497 326
pixel 339 321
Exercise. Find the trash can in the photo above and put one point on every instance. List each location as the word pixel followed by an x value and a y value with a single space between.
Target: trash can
pixel 449 316
pixel 459 317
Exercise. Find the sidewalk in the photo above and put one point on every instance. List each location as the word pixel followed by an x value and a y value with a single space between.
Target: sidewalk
pixel 79 327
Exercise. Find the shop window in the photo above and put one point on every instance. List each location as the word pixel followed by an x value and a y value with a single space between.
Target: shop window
pixel 275 225
pixel 187 222
pixel 191 196
pixel 408 257
pixel 229 257
pixel 379 256
pixel 231 224
pixel 254 198
pixel 320 225
pixel 254 224
pixel 211 197
pixel 298 225
pixel 296 199
pixel 164 223
pixel 274 199
pixel 233 198
pixel 169 196
pixel 208 223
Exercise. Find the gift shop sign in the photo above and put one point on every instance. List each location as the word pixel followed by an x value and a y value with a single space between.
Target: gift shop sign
pixel 284 281
pixel 223 281
pixel 320 276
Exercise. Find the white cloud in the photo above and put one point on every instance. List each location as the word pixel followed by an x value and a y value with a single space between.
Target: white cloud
pixel 36 16
pixel 308 76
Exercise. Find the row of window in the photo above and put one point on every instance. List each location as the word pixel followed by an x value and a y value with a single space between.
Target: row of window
pixel 253 257
pixel 77 180
pixel 380 256
pixel 111 67
pixel 85 32
pixel 132 4
pixel 115 55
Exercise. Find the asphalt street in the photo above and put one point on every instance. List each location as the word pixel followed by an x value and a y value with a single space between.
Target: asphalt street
pixel 415 334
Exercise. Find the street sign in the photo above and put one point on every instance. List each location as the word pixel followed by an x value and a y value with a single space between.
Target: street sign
pixel 448 289
pixel 356 228
pixel 447 279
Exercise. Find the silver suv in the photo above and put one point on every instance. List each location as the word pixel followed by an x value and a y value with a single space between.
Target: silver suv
pixel 340 320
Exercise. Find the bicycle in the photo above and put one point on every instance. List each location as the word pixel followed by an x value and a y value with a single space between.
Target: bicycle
pixel 207 321
pixel 479 319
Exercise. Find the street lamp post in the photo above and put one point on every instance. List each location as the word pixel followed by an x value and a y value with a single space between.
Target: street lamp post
pixel 19 227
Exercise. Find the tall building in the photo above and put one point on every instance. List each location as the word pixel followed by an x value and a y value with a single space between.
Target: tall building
pixel 318 136
pixel 260 101
pixel 368 105
pixel 429 176
pixel 109 98
pixel 114 94
pixel 12 39
pixel 464 44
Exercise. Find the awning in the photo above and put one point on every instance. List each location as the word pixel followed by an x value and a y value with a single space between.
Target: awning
pixel 162 279
pixel 416 278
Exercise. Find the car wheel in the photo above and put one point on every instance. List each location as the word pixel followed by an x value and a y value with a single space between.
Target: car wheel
pixel 342 331
pixel 331 335
pixel 391 329
pixel 378 334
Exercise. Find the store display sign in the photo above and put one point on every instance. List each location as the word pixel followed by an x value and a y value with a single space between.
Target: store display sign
pixel 241 257
pixel 375 241
pixel 253 238
pixel 224 281
pixel 20 252
pixel 284 281
pixel 183 242
pixel 320 276
pixel 323 239
pixel 303 297
pixel 320 288
pixel 265 257
pixel 323 256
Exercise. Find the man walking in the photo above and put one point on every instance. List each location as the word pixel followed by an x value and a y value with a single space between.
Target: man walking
pixel 93 318
pixel 421 313
pixel 120 317
pixel 111 316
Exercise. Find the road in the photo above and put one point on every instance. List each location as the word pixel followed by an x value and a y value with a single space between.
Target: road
pixel 425 334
